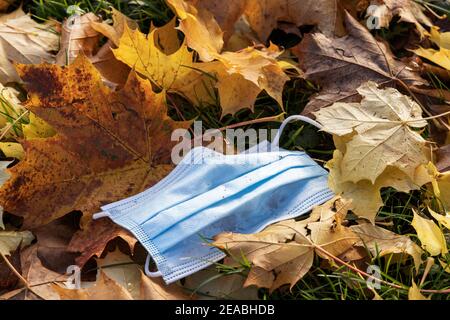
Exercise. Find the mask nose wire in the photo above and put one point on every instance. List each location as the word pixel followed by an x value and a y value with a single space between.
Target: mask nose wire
pixel 276 140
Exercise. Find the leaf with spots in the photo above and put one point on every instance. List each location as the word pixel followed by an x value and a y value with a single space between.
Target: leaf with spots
pixel 109 145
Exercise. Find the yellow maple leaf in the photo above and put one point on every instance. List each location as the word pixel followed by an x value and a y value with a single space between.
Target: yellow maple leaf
pixel 440 57
pixel 376 147
pixel 174 72
pixel 430 235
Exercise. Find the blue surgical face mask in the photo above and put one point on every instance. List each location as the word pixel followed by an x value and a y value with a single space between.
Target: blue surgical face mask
pixel 209 193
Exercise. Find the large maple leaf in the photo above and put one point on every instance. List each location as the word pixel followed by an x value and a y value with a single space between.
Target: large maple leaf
pixel 341 65
pixel 109 145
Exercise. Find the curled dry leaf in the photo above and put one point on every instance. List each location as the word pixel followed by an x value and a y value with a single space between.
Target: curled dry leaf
pixel 72 171
pixel 341 65
pixel 77 37
pixel 408 11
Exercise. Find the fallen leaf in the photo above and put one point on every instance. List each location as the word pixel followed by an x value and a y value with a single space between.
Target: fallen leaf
pixel 443 159
pixel 53 240
pixel 77 37
pixel 382 242
pixel 202 32
pixel 4 4
pixel 8 278
pixel 365 196
pixel 415 294
pixel 241 75
pixel 104 288
pixel 441 185
pixel 156 289
pixel 94 236
pixel 430 235
pixel 209 284
pixel 174 72
pixel 444 220
pixel 281 249
pixel 341 65
pixel 12 150
pixel 383 123
pixel 23 40
pixel 264 15
pixel 120 268
pixel 11 240
pixel 225 13
pixel 77 172
pixel 38 276
pixel 408 11
pixel 111 69
pixel 329 232
pixel 378 146
pixel 115 31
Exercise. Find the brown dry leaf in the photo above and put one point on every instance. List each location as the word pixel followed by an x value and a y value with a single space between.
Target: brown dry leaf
pixel 53 240
pixel 281 249
pixel 226 13
pixel 23 40
pixel 156 289
pixel 77 171
pixel 209 284
pixel 104 288
pixel 383 242
pixel 341 65
pixel 38 276
pixel 443 158
pixel 4 4
pixel 77 37
pixel 94 236
pixel 408 11
pixel 120 268
pixel 263 15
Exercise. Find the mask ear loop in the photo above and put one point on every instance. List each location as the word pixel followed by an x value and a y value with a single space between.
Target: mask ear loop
pixel 147 269
pixel 276 140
